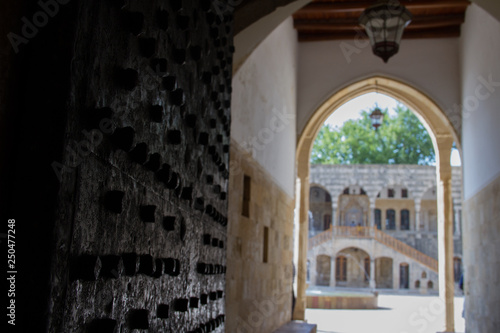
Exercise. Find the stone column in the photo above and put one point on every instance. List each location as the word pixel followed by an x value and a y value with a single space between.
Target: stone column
pixel 417 217
pixel 372 213
pixel 312 271
pixel 333 280
pixel 372 274
pixel 395 275
pixel 334 215
pixel 445 230
pixel 300 304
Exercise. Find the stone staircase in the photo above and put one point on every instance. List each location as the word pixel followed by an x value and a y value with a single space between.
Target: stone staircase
pixel 380 236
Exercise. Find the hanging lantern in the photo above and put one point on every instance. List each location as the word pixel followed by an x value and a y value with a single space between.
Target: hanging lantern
pixel 384 24
pixel 376 116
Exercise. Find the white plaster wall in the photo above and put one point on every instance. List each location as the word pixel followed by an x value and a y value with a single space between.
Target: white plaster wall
pixel 481 102
pixel 264 105
pixel 429 65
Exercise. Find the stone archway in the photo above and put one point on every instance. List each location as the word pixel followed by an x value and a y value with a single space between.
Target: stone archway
pixel 442 134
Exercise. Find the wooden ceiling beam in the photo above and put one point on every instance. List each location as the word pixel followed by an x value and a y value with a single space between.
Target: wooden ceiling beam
pixel 343 7
pixel 450 32
pixel 422 22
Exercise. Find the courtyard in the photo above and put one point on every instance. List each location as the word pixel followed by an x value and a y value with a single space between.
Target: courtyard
pixel 396 314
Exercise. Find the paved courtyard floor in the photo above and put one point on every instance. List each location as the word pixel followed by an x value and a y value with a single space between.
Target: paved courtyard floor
pixel 396 314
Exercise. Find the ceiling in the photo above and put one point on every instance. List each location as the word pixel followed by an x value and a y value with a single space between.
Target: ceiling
pixel 323 20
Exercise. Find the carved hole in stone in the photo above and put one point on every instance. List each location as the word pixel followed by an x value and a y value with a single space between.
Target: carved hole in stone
pixel 179 56
pixel 127 78
pixel 212 150
pixel 191 120
pixel 182 22
pixel 194 302
pixel 223 196
pixel 170 83
pixel 102 325
pixel 140 153
pixel 153 163
pixel 169 223
pixel 123 138
pixel 147 213
pixel 221 244
pixel 206 77
pixel 158 268
pixel 177 97
pixel 163 174
pixel 156 113
pixel 225 148
pixel 182 230
pixel 209 180
pixel 133 22
pixel 113 201
pixel 174 182
pixel 217 42
pixel 147 46
pixel 201 268
pixel 199 168
pixel 213 296
pixel 214 32
pixel 215 242
pixel 96 115
pixel 181 304
pixel 129 286
pixel 199 204
pixel 210 17
pixel 172 266
pixel 220 293
pixel 162 311
pixel 146 265
pixel 162 18
pixel 206 239
pixel 187 157
pixel 129 263
pixel 138 319
pixel 195 52
pixel 217 189
pixel 204 299
pixel 203 138
pixel 215 95
pixel 84 267
pixel 187 193
pixel 174 137
pixel 213 123
pixel 111 268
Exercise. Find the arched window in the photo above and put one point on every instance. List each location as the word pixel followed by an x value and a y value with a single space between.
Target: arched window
pixel 430 285
pixel 405 219
pixel 327 221
pixel 404 276
pixel 390 221
pixel 341 268
pixel 378 219
pixel 417 284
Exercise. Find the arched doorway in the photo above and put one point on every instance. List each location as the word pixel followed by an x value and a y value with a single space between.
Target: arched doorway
pixel 383 272
pixel 442 134
pixel 351 268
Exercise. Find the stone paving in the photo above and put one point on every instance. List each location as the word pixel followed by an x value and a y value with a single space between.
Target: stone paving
pixel 396 314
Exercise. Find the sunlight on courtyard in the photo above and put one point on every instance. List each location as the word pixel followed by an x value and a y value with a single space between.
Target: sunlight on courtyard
pixel 396 314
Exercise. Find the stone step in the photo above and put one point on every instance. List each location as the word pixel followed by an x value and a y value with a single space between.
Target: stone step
pixel 296 327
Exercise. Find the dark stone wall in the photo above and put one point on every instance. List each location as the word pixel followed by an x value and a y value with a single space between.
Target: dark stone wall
pixel 132 228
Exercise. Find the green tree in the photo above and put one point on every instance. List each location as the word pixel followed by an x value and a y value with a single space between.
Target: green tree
pixel 402 139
